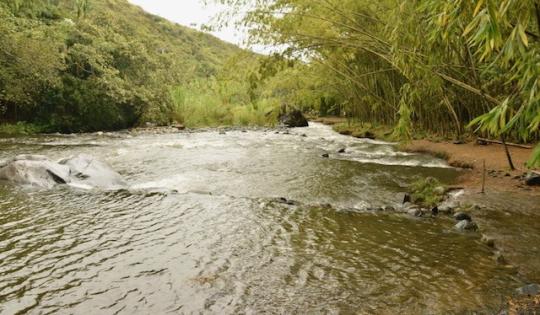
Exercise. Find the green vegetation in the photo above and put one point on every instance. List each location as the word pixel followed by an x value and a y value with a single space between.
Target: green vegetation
pixel 365 130
pixel 20 128
pixel 427 192
pixel 421 66
pixel 90 65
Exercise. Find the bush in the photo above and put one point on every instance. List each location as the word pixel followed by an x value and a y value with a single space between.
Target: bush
pixel 427 192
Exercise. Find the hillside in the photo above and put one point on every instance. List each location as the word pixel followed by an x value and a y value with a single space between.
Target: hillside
pixel 88 65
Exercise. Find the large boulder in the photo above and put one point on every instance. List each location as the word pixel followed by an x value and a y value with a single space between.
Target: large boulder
pixel 80 171
pixel 34 171
pixel 86 170
pixel 294 118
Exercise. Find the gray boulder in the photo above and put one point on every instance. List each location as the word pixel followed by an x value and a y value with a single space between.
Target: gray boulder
pixel 34 170
pixel 86 170
pixel 80 171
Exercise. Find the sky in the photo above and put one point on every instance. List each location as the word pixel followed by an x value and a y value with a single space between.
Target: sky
pixel 191 13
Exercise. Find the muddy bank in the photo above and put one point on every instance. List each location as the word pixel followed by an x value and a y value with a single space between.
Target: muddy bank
pixel 472 156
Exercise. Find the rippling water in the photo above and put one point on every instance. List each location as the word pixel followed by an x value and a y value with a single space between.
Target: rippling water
pixel 216 241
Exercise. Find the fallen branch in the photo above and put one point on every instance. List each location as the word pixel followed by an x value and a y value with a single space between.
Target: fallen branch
pixel 523 146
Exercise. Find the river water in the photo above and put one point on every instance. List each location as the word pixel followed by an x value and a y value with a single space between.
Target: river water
pixel 200 231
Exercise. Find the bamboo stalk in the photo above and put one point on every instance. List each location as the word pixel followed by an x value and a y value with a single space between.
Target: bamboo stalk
pixel 523 146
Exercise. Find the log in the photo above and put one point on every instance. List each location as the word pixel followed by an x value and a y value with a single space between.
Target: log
pixel 523 146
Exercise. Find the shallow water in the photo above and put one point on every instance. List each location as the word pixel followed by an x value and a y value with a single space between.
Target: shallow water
pixel 221 244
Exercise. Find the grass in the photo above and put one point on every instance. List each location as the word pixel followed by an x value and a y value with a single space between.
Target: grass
pixel 207 107
pixel 427 192
pixel 364 130
pixel 20 128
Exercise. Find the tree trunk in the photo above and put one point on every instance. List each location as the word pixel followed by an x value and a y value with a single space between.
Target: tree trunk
pixel 508 156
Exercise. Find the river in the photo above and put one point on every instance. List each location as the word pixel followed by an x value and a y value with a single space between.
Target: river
pixel 201 231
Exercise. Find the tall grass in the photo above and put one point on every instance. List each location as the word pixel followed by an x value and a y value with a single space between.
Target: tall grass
pixel 211 103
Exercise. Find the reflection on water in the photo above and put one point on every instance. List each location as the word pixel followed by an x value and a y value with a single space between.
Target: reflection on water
pixel 221 245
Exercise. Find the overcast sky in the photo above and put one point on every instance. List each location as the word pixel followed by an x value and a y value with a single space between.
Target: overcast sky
pixel 190 13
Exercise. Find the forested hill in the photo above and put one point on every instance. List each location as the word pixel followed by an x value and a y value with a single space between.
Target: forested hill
pixel 82 65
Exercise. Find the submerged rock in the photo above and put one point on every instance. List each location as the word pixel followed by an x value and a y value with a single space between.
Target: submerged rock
pixel 294 118
pixel 415 212
pixel 489 241
pixel 342 150
pixel 529 289
pixel 466 225
pixel 325 155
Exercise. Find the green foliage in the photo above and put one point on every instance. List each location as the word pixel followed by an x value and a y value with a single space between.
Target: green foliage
pixel 20 128
pixel 420 65
pixel 90 65
pixel 213 103
pixel 428 192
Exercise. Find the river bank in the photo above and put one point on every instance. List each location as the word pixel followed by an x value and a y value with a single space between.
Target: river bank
pixel 469 155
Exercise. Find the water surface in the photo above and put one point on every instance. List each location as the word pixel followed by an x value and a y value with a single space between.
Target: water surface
pixel 216 241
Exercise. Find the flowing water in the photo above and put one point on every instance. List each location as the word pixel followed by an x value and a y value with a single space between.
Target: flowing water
pixel 215 240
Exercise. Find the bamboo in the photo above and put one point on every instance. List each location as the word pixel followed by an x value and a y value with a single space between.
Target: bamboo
pixel 484 178
pixel 523 146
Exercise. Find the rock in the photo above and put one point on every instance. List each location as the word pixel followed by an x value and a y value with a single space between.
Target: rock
pixel 325 155
pixel 459 141
pixel 460 216
pixel 81 171
pixel 435 211
pixel 389 209
pixel 178 126
pixel 222 132
pixel 466 225
pixel 366 135
pixel 529 289
pixel 406 198
pixel 481 142
pixel 35 171
pixel 304 135
pixel 499 258
pixel 286 201
pixel 415 212
pixel 87 170
pixel 488 241
pixel 446 209
pixel 532 180
pixel 342 150
pixel 294 118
